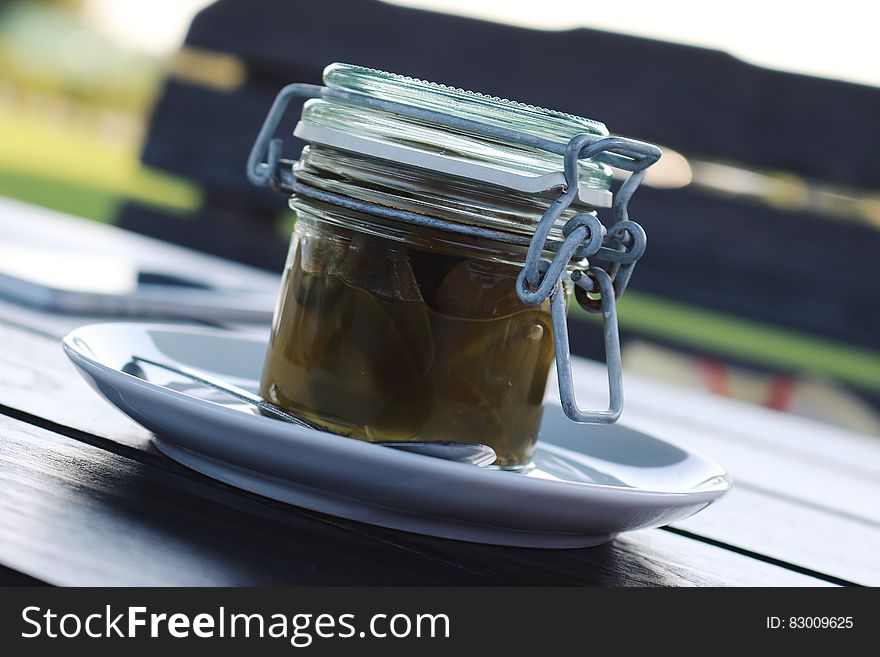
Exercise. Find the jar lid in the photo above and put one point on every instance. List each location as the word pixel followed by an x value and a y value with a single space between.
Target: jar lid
pixel 345 124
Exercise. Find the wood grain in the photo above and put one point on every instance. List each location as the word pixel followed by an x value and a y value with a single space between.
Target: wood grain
pixel 37 378
pixel 74 514
pixel 824 466
pixel 34 370
pixel 806 496
pixel 793 532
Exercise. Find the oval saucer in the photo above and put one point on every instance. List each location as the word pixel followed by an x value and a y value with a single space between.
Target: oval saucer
pixel 589 482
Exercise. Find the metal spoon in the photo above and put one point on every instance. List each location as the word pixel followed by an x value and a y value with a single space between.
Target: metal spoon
pixel 475 454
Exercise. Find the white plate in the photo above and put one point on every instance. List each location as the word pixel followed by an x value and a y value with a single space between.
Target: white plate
pixel 590 481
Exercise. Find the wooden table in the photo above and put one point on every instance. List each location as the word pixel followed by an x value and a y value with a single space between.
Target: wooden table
pixel 85 499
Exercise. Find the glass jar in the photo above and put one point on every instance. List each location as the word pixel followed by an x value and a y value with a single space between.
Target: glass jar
pixel 394 330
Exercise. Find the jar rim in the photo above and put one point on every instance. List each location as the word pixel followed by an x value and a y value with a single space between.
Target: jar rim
pixel 422 237
pixel 417 191
pixel 342 121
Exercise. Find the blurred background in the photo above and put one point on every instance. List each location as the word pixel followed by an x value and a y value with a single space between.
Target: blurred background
pixel 760 279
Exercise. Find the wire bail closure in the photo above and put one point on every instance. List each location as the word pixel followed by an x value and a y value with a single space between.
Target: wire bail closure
pixel 616 248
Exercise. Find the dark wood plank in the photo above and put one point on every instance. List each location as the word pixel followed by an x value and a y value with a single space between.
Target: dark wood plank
pixel 10 577
pixel 37 378
pixel 72 513
pixel 761 263
pixel 220 227
pixel 72 405
pixel 212 144
pixel 84 411
pixel 805 480
pixel 697 100
pixel 638 556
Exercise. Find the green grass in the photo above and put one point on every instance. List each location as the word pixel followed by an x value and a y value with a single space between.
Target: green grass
pixel 753 341
pixel 73 198
pixel 76 171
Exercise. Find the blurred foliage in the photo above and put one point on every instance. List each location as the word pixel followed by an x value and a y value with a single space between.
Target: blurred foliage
pixel 44 48
pixel 739 338
pixel 72 169
pixel 73 106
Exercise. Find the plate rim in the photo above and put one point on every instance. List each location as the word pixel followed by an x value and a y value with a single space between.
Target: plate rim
pixel 725 482
pixel 364 450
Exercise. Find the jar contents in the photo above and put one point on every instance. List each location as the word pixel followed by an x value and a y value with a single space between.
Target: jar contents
pixel 380 339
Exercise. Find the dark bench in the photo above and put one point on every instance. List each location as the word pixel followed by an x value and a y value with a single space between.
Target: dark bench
pixel 791 268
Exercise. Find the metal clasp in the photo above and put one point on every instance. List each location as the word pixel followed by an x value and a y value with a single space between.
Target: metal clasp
pixel 616 248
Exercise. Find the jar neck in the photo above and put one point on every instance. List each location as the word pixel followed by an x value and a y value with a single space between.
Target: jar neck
pixel 423 192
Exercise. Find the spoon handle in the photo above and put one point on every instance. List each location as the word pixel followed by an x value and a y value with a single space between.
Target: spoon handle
pixel 475 454
pixel 231 390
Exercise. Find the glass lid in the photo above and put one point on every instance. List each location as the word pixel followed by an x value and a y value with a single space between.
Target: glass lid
pixel 538 121
pixel 385 134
